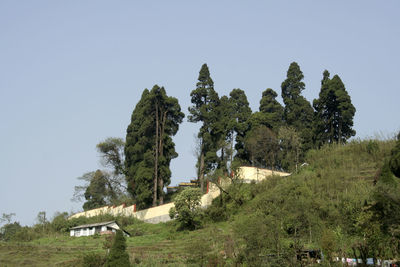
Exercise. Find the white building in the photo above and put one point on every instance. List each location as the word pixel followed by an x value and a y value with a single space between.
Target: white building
pixel 96 228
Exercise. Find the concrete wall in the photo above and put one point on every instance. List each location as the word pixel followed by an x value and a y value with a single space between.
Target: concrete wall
pixel 249 174
pixel 161 213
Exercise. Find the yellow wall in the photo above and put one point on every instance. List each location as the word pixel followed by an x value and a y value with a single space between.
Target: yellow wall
pixel 161 213
pixel 257 174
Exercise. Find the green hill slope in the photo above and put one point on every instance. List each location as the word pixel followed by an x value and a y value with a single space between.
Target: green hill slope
pixel 336 203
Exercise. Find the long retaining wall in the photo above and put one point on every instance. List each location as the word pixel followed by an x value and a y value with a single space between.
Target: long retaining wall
pixel 161 213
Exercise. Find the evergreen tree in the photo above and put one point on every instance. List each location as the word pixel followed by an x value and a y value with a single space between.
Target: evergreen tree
pixel 323 123
pixel 271 111
pixel 298 112
pixel 149 147
pixel 345 110
pixel 334 112
pixel 139 159
pixel 167 116
pixel 118 255
pixel 240 123
pixel 226 123
pixel 205 109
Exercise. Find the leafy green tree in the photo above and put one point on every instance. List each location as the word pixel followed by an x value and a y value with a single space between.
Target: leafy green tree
pixel 60 222
pixel 6 217
pixel 118 255
pixel 298 112
pixel 187 209
pixel 205 109
pixel 107 186
pixel 112 153
pixel 41 218
pixel 96 192
pixel 9 230
pixel 334 112
pixel 395 158
pixel 384 215
pixel 290 146
pixel 263 147
pixel 100 188
pixel 149 147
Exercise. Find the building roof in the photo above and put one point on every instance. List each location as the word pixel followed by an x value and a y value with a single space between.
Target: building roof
pixel 93 225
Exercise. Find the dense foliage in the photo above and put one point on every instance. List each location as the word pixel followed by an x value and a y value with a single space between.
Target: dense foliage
pixel 206 109
pixel 230 135
pixel 334 112
pixel 149 147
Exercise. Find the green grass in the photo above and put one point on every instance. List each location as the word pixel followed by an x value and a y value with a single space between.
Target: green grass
pixel 157 244
pixel 335 174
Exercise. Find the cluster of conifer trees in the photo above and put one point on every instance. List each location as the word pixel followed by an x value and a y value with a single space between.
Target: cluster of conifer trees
pixel 231 134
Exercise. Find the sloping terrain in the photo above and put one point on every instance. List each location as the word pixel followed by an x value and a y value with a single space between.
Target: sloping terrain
pixel 266 222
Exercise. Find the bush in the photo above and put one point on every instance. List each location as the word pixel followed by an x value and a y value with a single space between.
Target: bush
pixel 93 260
pixel 118 255
pixel 187 209
pixel 60 223
pixel 9 230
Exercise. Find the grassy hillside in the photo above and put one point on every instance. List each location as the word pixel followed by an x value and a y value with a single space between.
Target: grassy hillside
pixel 331 204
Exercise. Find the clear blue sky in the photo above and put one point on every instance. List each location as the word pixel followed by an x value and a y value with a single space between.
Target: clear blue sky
pixel 71 73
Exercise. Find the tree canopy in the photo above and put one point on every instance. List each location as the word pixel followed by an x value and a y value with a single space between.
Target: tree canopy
pixel 334 112
pixel 205 109
pixel 149 147
pixel 298 112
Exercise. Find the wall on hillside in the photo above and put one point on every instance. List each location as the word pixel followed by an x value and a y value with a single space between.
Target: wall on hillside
pixel 161 213
pixel 152 215
pixel 249 174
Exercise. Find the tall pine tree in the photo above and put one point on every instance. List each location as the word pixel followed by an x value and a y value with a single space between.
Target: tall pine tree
pixel 139 157
pixel 298 112
pixel 323 121
pixel 334 112
pixel 205 109
pixel 271 111
pixel 149 147
pixel 241 115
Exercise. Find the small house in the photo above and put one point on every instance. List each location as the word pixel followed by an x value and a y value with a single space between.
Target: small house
pixel 96 228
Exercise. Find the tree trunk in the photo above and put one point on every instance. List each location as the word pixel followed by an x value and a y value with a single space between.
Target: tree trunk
pixel 231 155
pixel 201 176
pixel 161 148
pixel 155 187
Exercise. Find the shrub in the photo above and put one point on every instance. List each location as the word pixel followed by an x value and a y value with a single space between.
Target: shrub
pixel 93 260
pixel 187 209
pixel 118 255
pixel 9 230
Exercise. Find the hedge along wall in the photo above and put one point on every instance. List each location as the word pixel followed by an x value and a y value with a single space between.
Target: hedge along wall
pixel 161 213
